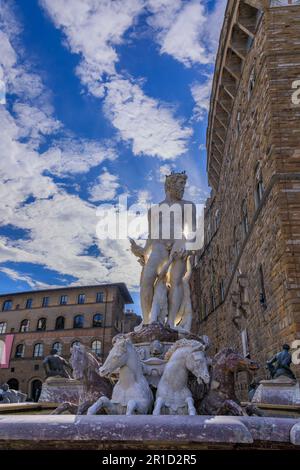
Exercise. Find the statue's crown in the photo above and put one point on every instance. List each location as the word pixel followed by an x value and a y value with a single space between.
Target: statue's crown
pixel 174 173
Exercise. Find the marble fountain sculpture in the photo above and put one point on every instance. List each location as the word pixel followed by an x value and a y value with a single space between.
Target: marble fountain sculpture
pixel 158 362
pixel 161 367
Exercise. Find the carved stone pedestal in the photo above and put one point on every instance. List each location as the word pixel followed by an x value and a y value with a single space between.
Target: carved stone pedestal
pixel 280 391
pixel 59 390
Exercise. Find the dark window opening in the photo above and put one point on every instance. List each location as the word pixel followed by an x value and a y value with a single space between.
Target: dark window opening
pixel 24 327
pixel 262 293
pixel 58 347
pixel 78 321
pixel 98 320
pixel 7 305
pixel 38 350
pixel 29 303
pixel 81 298
pixel 245 218
pixel 13 384
pixel 100 297
pixel 63 300
pixel 41 324
pixel 96 347
pixel 60 323
pixel 20 349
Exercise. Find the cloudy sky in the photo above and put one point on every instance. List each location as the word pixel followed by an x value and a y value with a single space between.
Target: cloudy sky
pixel 98 98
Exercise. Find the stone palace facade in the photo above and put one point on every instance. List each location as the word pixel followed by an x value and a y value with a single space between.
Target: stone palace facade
pixel 246 290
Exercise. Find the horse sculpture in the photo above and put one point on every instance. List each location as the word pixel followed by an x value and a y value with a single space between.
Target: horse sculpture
pixel 173 394
pixel 221 398
pixel 85 368
pixel 131 394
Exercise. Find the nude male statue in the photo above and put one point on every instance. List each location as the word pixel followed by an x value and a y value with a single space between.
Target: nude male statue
pixel 168 223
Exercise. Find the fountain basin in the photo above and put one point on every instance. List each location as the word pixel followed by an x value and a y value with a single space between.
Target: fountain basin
pixel 147 432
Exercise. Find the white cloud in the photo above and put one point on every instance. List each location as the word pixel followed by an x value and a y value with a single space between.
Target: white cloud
pixel 75 156
pixel 60 227
pixel 201 94
pixel 93 29
pixel 196 193
pixel 162 15
pixel 15 276
pixel 182 41
pixel 186 30
pixel 34 122
pixel 163 171
pixel 106 187
pixel 149 126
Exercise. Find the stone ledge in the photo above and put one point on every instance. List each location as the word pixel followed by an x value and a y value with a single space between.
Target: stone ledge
pixel 156 432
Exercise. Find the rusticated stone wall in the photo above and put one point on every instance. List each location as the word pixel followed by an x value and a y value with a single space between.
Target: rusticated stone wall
pixel 246 291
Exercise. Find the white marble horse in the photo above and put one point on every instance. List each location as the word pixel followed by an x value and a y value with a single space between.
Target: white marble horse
pixel 131 394
pixel 173 395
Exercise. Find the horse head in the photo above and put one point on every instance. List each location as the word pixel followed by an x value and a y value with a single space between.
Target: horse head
pixel 83 362
pixel 198 363
pixel 117 357
pixel 234 362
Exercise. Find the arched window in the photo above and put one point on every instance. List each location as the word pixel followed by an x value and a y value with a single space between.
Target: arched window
pixel 60 323
pixel 7 305
pixel 96 347
pixel 13 384
pixel 38 350
pixel 245 221
pixel 20 350
pixel 24 327
pixel 76 342
pixel 78 321
pixel 36 388
pixel 58 347
pixel 41 324
pixel 3 325
pixel 98 320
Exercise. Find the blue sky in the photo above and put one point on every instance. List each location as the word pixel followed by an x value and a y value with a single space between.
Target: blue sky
pixel 98 98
